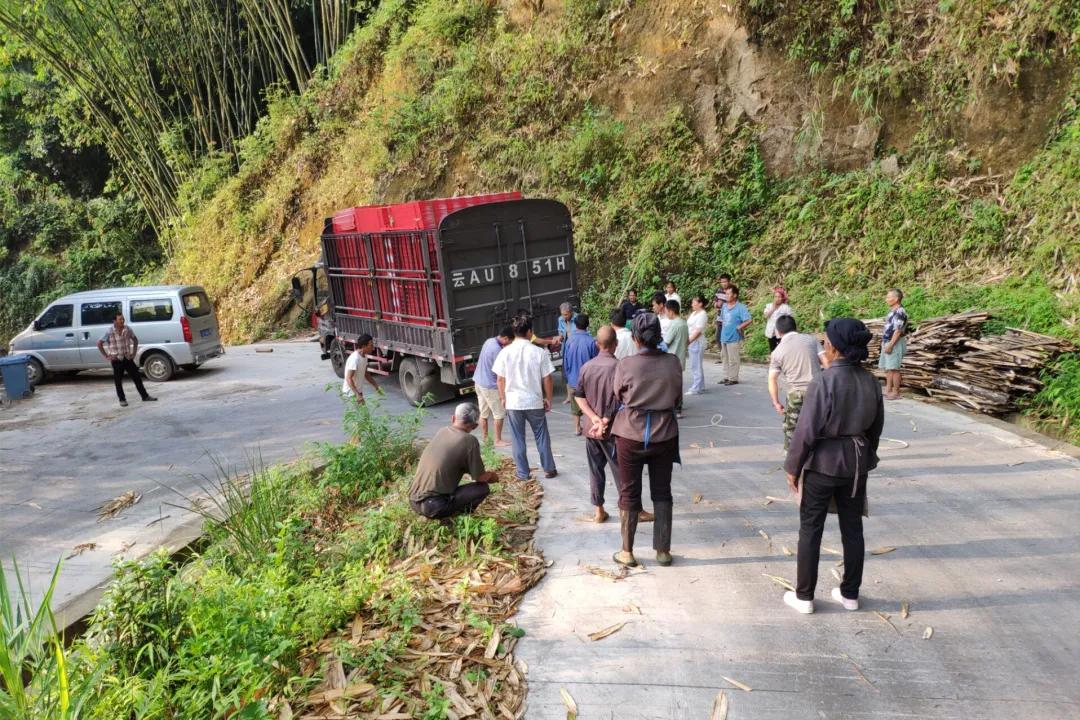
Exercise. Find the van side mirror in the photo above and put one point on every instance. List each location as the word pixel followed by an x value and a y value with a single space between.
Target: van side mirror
pixel 36 325
pixel 297 290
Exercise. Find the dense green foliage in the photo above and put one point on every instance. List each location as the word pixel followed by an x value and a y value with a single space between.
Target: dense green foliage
pixel 226 631
pixel 65 223
pixel 434 98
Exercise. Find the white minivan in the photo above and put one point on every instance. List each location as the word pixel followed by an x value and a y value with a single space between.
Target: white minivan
pixel 175 324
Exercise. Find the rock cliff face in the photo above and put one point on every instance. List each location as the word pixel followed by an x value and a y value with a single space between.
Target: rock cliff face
pixel 698 53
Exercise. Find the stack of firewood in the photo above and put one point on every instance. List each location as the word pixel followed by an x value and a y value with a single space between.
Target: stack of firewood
pixel 994 373
pixel 948 358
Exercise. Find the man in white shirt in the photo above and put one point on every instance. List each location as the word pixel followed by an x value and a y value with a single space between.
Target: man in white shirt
pixel 356 367
pixel 525 372
pixel 623 336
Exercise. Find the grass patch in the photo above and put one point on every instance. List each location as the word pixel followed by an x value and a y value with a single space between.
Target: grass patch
pixel 316 592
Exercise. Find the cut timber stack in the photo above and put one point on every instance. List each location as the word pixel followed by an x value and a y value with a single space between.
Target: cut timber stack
pixel 947 357
pixel 995 372
pixel 932 345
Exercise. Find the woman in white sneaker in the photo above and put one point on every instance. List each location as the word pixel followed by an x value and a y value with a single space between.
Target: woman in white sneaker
pixel 832 450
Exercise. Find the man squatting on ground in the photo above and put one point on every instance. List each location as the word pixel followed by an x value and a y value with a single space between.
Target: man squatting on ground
pixel 487 385
pixel 798 357
pixel 357 365
pixel 647 387
pixel 120 346
pixel 435 491
pixel 833 449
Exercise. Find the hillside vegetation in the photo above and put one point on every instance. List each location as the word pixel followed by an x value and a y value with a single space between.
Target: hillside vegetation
pixel 600 105
pixel 837 147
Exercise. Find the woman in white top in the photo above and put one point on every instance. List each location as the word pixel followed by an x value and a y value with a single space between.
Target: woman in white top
pixel 697 323
pixel 670 294
pixel 773 311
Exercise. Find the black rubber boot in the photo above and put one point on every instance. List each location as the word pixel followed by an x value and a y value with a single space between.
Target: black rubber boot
pixel 662 531
pixel 628 520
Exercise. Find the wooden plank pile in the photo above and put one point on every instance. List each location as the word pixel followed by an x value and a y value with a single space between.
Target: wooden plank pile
pixel 994 373
pixel 948 358
pixel 931 346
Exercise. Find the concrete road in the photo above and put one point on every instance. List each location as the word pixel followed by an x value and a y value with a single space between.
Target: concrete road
pixel 986 526
pixel 72 448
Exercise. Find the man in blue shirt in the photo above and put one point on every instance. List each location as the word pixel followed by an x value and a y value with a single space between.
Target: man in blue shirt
pixel 565 327
pixel 487 385
pixel 735 317
pixel 580 349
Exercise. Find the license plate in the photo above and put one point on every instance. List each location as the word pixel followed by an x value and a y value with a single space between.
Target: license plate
pixel 204 333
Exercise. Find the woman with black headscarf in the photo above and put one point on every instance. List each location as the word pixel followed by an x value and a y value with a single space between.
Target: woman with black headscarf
pixel 648 386
pixel 833 448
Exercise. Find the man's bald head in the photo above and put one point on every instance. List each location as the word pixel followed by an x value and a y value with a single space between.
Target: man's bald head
pixel 605 338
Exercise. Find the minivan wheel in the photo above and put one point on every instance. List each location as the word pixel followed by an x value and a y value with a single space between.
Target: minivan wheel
pixel 35 372
pixel 158 367
pixel 337 357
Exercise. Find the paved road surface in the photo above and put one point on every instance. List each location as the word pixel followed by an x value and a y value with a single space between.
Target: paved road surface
pixel 986 526
pixel 984 521
pixel 72 448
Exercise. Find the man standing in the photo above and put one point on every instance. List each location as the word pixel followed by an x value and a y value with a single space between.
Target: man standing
pixel 580 349
pixel 719 300
pixel 452 452
pixel 735 318
pixel 893 343
pixel 357 365
pixel 630 305
pixel 677 340
pixel 798 357
pixel 487 385
pixel 524 373
pixel 120 347
pixel 623 337
pixel 565 326
pixel 595 397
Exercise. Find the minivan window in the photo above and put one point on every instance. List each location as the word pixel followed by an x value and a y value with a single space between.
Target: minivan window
pixel 196 304
pixel 151 310
pixel 58 316
pixel 100 313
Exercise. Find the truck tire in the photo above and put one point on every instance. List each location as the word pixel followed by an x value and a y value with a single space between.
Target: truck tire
pixel 419 379
pixel 158 366
pixel 337 357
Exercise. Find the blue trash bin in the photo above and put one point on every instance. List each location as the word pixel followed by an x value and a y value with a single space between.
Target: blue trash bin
pixel 16 378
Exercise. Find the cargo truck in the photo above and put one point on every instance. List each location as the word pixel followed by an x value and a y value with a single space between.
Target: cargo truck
pixel 431 280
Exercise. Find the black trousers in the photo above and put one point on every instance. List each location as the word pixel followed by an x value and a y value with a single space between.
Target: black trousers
pixel 118 369
pixel 464 500
pixel 817 491
pixel 634 457
pixel 773 342
pixel 600 454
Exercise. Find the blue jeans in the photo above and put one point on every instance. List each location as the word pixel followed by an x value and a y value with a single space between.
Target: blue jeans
pixel 697 368
pixel 537 420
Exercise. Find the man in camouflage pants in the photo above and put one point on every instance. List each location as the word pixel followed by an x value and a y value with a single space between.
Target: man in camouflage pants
pixel 798 358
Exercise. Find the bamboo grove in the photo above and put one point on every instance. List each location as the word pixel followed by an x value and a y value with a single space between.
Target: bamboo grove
pixel 168 81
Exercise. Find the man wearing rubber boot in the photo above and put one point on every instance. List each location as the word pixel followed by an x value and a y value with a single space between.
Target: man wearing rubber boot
pixel 648 387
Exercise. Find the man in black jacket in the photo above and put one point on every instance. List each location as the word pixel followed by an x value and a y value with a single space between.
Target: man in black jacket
pixel 834 446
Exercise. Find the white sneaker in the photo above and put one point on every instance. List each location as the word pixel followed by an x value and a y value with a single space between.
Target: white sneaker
pixel 803 606
pixel 692 392
pixel 848 604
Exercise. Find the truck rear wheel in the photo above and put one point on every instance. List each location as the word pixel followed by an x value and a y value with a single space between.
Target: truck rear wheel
pixel 419 379
pixel 337 358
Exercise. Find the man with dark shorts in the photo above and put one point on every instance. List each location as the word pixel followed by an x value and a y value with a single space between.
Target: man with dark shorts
pixel 453 451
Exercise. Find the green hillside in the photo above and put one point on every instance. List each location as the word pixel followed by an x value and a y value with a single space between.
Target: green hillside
pixel 839 148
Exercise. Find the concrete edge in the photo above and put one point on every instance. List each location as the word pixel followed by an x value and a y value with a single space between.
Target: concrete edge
pixel 73 612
